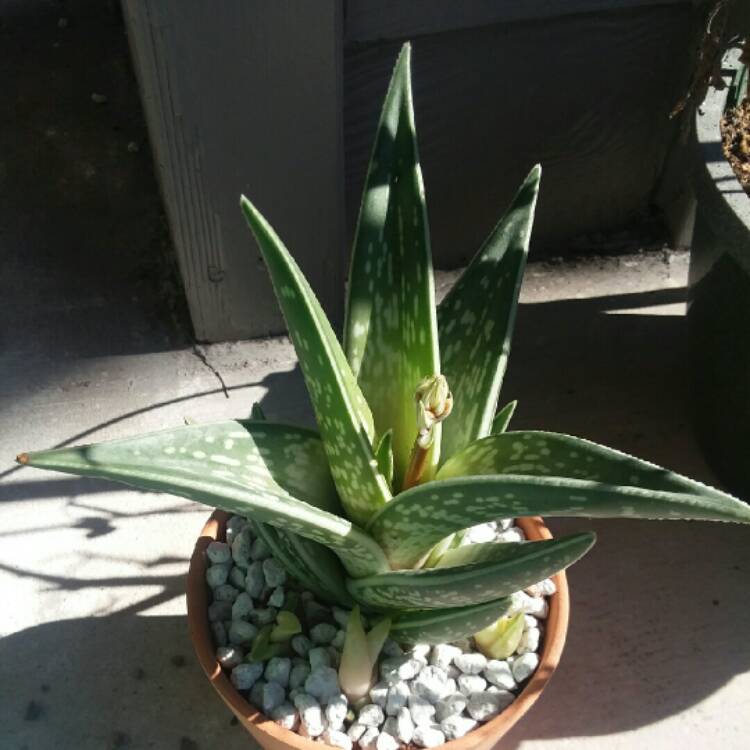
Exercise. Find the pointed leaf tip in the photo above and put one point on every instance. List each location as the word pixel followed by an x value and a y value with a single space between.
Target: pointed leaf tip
pixel 22 458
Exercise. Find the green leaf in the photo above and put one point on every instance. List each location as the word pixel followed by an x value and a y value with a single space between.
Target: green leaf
pixel 416 520
pixel 546 454
pixel 390 334
pixel 263 648
pixel 310 563
pixel 446 625
pixel 500 639
pixel 502 418
pixel 359 655
pixel 384 457
pixel 287 625
pixel 476 320
pixel 343 417
pixel 273 473
pixel 464 577
pixel 377 637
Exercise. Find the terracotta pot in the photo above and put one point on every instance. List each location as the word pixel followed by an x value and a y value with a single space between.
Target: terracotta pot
pixel 273 737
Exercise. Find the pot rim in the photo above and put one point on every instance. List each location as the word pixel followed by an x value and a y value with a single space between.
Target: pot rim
pixel 485 735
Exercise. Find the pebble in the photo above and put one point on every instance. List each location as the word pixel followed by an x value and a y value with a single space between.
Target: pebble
pixel 256 693
pixel 277 598
pixel 450 706
pixel 398 668
pixel 254 580
pixel 513 534
pixel 471 663
pixel 241 547
pixel 311 715
pixel 341 616
pixel 336 711
pixel 524 666
pixel 404 726
pixel 499 673
pixel 420 652
pixel 339 639
pixel 219 633
pixel 355 731
pixel 371 715
pixel 234 526
pixel 398 696
pixel 278 669
pixel 455 727
pixel 386 741
pixel 219 552
pixel 217 575
pixel 298 675
pixel 261 617
pixel 315 613
pixel 323 633
pixel 483 705
pixel 286 715
pixel 319 657
pixel 503 524
pixel 225 593
pixel 301 645
pixel 443 655
pixel 274 573
pixel 369 739
pixel 219 611
pixel 323 684
pixel 471 683
pixel 273 696
pixel 379 694
pixel 241 632
pixel 483 532
pixel 428 735
pixel 391 648
pixel 260 550
pixel 243 606
pixel 432 684
pixel 529 641
pixel 245 675
pixel 229 656
pixel 237 577
pixel 421 710
pixel 337 738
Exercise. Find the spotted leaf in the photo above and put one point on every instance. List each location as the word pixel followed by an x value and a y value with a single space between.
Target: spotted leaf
pixel 270 472
pixel 551 454
pixel 390 335
pixel 448 624
pixel 502 418
pixel 463 579
pixel 476 320
pixel 415 521
pixel 310 563
pixel 343 417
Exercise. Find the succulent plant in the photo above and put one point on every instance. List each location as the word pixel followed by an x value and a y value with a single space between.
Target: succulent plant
pixel 409 452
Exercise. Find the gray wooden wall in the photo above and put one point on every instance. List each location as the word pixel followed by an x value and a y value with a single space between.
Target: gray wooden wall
pixel 279 99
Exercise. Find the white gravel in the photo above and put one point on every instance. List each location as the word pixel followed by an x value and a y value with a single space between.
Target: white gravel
pixel 427 695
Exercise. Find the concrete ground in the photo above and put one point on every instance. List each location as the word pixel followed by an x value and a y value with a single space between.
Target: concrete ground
pixel 95 652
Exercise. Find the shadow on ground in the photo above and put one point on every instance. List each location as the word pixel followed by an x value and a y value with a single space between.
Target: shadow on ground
pixel 658 609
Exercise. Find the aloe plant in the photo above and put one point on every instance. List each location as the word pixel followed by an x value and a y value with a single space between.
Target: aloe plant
pixel 409 452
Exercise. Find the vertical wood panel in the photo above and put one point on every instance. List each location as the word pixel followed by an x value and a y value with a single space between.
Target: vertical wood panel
pixel 588 96
pixel 245 96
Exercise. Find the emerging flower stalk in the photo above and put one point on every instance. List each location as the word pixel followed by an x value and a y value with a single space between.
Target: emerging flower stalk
pixel 434 404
